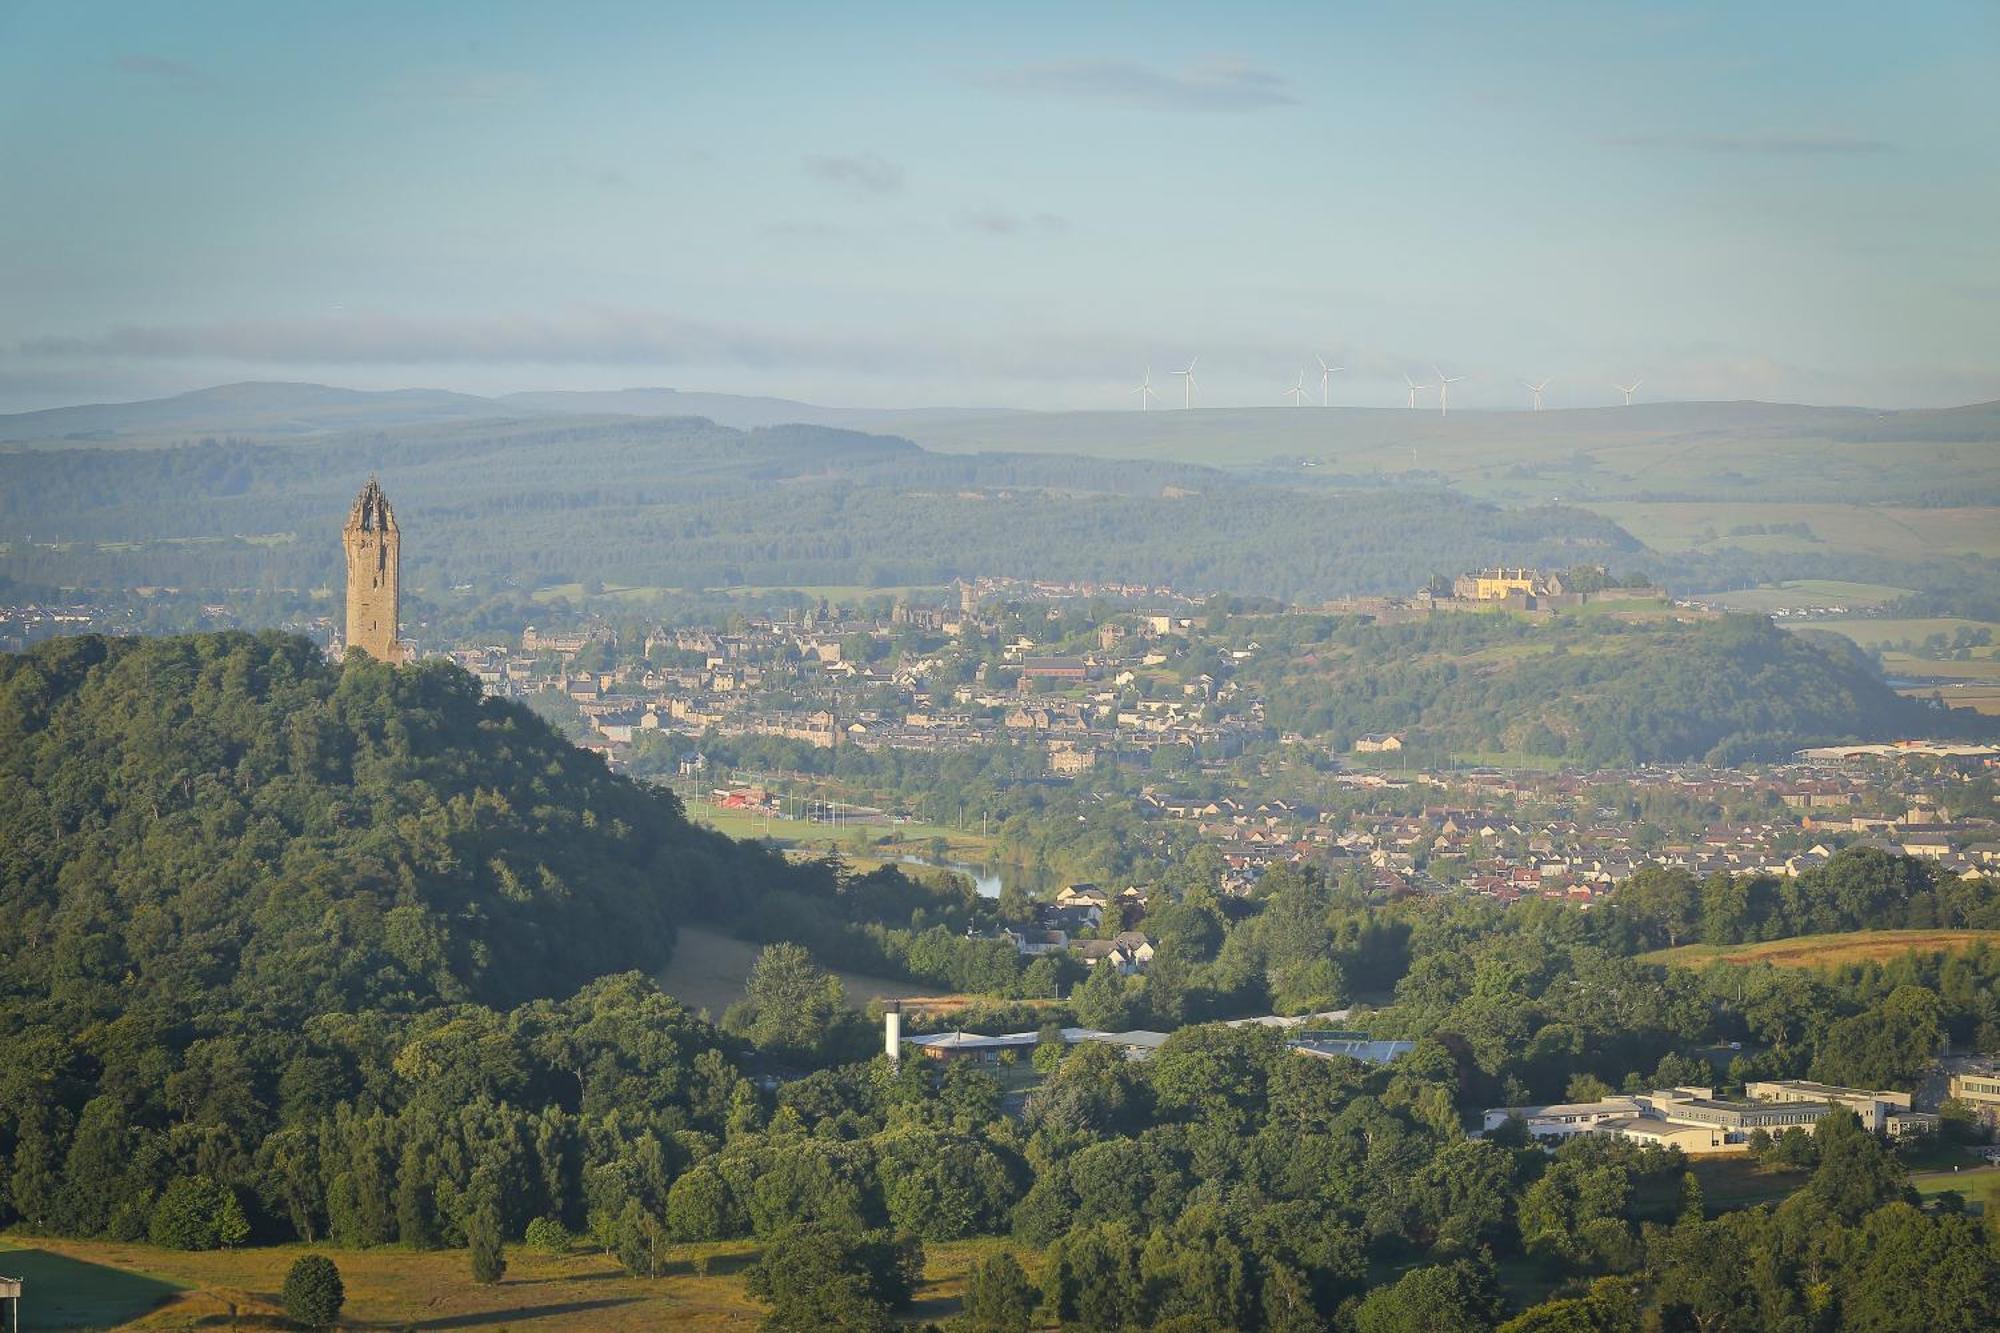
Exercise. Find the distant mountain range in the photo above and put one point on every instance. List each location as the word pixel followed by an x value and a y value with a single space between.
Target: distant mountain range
pixel 281 411
pixel 746 413
pixel 278 410
pixel 1660 451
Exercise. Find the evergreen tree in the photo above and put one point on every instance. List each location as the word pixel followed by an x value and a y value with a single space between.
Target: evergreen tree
pixel 416 1202
pixel 482 1235
pixel 313 1292
pixel 998 1296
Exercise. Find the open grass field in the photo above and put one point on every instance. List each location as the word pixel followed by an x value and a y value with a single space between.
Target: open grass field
pixel 882 841
pixel 1971 683
pixel 1737 1182
pixel 1881 631
pixel 709 970
pixel 574 592
pixel 1884 530
pixel 1806 595
pixel 1980 1185
pixel 1835 950
pixel 1981 698
pixel 99 1284
pixel 1734 453
pixel 833 592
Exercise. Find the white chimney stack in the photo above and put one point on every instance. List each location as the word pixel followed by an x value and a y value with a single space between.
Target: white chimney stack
pixel 892 1032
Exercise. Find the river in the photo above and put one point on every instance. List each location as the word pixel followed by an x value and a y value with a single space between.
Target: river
pixel 987 879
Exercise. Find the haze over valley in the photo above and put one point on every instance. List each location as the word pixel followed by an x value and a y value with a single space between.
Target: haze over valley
pixel 1210 668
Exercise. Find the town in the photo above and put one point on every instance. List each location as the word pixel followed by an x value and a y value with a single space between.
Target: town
pixel 1095 688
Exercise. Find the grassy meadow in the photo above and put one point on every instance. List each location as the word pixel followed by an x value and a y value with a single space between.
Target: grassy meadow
pixel 877 841
pixel 108 1285
pixel 102 1284
pixel 1832 950
pixel 1971 683
pixel 709 969
pixel 1896 532
pixel 1807 594
pixel 1740 453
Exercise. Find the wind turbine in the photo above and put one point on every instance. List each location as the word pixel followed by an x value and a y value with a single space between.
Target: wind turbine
pixel 1297 393
pixel 1325 373
pixel 1444 389
pixel 1188 375
pixel 1627 389
pixel 1536 389
pixel 1145 390
pixel 1415 388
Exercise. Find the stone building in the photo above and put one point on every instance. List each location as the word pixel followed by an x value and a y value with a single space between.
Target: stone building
pixel 374 552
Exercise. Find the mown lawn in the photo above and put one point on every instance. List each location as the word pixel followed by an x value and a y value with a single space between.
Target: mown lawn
pixel 1979 1184
pixel 709 969
pixel 1831 950
pixel 100 1284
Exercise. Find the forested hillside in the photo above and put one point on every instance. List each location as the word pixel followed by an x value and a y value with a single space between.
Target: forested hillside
pixel 1592 691
pixel 290 952
pixel 687 504
pixel 223 813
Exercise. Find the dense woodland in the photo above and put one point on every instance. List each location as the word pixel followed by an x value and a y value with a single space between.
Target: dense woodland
pixel 493 509
pixel 1594 692
pixel 345 955
pixel 687 504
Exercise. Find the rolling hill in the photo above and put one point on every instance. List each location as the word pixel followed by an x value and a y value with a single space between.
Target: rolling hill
pixel 698 490
pixel 261 411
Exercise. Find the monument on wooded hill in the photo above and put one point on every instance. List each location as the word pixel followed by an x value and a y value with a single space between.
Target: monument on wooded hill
pixel 374 548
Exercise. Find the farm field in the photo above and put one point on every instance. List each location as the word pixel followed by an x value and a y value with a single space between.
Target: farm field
pixel 1971 683
pixel 833 592
pixel 1721 453
pixel 1980 697
pixel 1805 595
pixel 1880 631
pixel 100 1284
pixel 1835 950
pixel 574 592
pixel 880 841
pixel 709 970
pixel 1895 532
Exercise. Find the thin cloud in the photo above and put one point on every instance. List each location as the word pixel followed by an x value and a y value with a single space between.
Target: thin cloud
pixel 996 221
pixel 1770 145
pixel 576 337
pixel 160 69
pixel 865 172
pixel 804 230
pixel 1227 85
pixel 596 336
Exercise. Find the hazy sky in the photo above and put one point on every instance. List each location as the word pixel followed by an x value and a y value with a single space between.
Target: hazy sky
pixel 1020 204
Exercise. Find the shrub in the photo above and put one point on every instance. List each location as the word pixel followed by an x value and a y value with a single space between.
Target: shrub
pixel 998 1296
pixel 196 1213
pixel 547 1235
pixel 313 1292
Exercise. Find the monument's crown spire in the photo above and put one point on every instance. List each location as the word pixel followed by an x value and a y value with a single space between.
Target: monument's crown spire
pixel 371 512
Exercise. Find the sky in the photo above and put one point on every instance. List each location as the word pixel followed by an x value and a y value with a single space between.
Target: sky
pixel 1025 205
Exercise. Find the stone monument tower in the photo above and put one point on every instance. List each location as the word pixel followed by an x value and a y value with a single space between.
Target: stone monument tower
pixel 374 547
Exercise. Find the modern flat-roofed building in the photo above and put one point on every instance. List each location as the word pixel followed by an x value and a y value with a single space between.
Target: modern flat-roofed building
pixel 1876 1109
pixel 1746 1117
pixel 1666 1133
pixel 1980 1089
pixel 1692 1119
pixel 1563 1120
pixel 1138 1044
